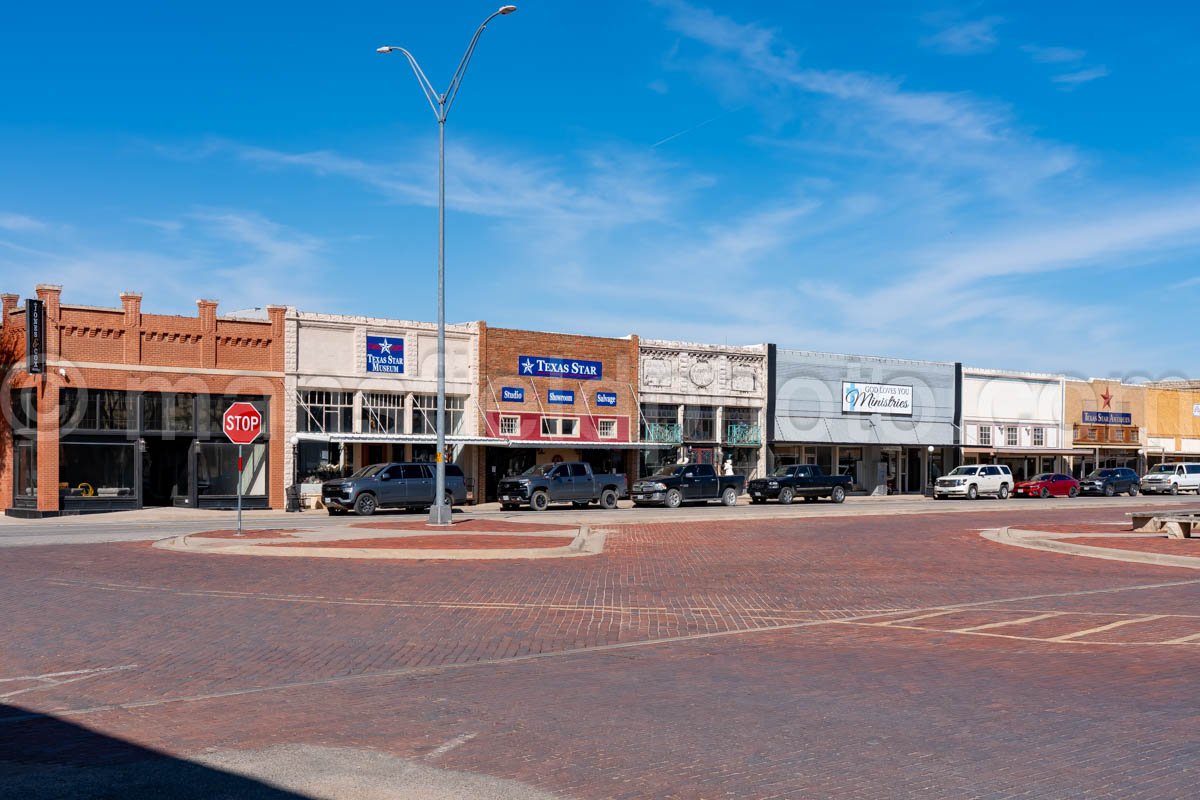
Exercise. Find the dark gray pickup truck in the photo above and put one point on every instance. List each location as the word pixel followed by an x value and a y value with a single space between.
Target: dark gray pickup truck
pixel 687 483
pixel 799 480
pixel 569 482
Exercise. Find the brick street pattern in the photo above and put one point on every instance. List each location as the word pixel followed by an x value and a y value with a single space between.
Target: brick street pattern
pixel 869 658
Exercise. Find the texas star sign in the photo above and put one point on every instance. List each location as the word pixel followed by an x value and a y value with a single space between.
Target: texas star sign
pixel 545 367
pixel 385 354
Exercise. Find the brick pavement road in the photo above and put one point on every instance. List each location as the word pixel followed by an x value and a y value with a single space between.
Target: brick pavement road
pixel 841 657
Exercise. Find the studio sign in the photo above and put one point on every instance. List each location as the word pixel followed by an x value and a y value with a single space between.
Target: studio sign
pixel 877 398
pixel 543 367
pixel 385 354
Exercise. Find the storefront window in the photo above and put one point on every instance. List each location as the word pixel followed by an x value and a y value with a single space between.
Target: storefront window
pixel 24 412
pixel 424 413
pixel 656 459
pixel 849 459
pixel 317 462
pixel 97 470
pixel 168 412
pixel 383 412
pixel 217 472
pixel 26 469
pixel 699 424
pixel 745 460
pixel 661 423
pixel 741 426
pixel 323 411
pixel 95 410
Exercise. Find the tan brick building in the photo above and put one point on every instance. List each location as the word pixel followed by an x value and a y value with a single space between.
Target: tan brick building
pixel 1107 419
pixel 127 412
pixel 1172 424
pixel 555 396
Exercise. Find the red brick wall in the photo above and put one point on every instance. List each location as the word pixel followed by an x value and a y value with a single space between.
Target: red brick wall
pixel 112 348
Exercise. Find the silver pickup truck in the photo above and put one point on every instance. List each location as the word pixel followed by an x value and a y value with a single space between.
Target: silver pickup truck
pixel 569 482
pixel 391 486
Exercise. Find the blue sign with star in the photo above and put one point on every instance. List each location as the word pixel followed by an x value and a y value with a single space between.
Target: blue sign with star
pixel 385 354
pixel 573 368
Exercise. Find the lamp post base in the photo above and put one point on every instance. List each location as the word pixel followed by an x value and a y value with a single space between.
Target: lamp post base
pixel 439 515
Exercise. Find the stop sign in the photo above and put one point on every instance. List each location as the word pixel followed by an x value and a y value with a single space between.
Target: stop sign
pixel 242 423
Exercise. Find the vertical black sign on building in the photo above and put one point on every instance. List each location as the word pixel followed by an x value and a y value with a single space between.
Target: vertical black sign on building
pixel 35 336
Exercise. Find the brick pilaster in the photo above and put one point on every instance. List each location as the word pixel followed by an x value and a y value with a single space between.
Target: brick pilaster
pixel 51 295
pixel 208 336
pixel 131 302
pixel 10 302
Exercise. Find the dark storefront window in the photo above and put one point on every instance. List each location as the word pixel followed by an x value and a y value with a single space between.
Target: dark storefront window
pixel 383 413
pixel 213 407
pixel 699 424
pixel 95 470
pixel 318 461
pixel 424 414
pixel 25 487
pixel 745 460
pixel 96 410
pixel 169 412
pixel 660 423
pixel 24 412
pixel 325 411
pixel 656 459
pixel 217 473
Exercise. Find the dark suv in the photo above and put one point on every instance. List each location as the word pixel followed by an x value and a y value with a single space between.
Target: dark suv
pixel 391 486
pixel 1109 482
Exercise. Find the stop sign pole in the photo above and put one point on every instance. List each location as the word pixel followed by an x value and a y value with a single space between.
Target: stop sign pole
pixel 242 423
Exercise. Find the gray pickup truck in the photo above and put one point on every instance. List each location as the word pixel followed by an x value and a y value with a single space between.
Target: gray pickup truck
pixel 391 486
pixel 569 482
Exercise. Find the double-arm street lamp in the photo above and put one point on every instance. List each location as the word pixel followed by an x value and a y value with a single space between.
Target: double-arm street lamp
pixel 439 512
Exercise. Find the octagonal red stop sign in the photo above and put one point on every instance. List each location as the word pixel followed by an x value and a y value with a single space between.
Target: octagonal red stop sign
pixel 242 423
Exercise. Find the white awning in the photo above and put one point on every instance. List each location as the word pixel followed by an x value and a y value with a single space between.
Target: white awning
pixel 397 438
pixel 546 444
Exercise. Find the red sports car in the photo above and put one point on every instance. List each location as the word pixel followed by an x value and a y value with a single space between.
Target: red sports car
pixel 1048 484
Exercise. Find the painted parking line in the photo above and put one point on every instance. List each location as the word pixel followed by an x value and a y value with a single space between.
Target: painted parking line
pixel 1002 623
pixel 1194 638
pixel 1101 628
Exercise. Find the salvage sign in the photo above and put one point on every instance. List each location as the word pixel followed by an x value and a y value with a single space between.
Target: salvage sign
pixel 545 367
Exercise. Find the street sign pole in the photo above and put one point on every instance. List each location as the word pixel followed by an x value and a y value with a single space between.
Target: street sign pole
pixel 239 479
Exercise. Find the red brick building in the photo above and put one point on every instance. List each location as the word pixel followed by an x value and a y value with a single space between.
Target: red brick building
pixel 127 413
pixel 557 397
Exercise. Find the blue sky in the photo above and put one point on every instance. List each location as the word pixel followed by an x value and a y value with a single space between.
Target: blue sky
pixel 1010 185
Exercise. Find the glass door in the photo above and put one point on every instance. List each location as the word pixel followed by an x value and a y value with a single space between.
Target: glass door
pixel 25 487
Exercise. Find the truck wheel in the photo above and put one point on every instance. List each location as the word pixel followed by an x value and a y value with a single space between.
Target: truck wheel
pixel 729 496
pixel 972 492
pixel 608 499
pixel 838 494
pixel 539 501
pixel 365 505
pixel 786 495
pixel 1003 491
pixel 674 498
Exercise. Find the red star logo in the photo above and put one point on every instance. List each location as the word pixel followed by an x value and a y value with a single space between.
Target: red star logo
pixel 1107 398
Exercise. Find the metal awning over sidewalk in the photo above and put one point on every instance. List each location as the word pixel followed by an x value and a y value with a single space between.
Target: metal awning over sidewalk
pixel 485 441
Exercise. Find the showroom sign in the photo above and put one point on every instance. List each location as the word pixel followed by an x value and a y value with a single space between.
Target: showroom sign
pixel 543 367
pixel 877 398
pixel 561 397
pixel 385 354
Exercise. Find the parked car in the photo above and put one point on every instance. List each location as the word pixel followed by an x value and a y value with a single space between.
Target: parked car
pixel 567 482
pixel 1048 484
pixel 1172 479
pixel 687 483
pixel 391 486
pixel 972 480
pixel 1110 481
pixel 799 480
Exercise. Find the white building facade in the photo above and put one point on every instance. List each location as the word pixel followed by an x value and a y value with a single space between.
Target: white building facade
pixel 363 390
pixel 707 400
pixel 1015 418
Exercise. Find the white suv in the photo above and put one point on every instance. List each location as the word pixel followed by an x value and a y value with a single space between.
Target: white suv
pixel 972 480
pixel 1172 479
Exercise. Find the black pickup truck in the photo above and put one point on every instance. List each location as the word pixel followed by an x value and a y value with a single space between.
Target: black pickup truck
pixel 566 482
pixel 799 480
pixel 687 483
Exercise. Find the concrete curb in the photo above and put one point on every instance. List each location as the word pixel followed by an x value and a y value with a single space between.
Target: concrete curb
pixel 584 543
pixel 1044 540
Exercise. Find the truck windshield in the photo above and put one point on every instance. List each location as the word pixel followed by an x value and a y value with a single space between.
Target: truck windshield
pixel 540 469
pixel 368 472
pixel 965 471
pixel 780 472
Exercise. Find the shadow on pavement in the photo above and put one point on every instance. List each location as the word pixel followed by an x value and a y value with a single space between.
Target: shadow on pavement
pixel 45 757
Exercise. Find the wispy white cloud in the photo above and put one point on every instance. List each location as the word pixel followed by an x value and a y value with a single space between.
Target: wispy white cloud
pixel 21 222
pixel 1071 80
pixel 967 37
pixel 1053 55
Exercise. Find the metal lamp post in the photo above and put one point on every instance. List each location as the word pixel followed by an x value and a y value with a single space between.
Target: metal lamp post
pixel 439 512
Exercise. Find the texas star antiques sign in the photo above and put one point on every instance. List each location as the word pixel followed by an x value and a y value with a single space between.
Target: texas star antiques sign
pixel 385 354
pixel 877 398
